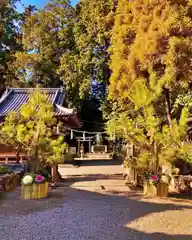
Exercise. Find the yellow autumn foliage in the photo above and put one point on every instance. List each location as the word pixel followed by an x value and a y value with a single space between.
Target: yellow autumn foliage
pixel 151 37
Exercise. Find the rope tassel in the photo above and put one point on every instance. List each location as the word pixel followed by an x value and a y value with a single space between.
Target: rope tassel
pixel 84 132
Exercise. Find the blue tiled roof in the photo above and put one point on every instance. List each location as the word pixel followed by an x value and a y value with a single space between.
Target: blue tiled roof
pixel 14 98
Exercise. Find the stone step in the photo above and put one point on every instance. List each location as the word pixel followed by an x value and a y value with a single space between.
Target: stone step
pixel 95 156
pixel 92 159
pixel 98 156
pixel 101 163
pixel 68 166
pixel 91 170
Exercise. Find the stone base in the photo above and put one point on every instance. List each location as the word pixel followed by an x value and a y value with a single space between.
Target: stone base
pixel 34 191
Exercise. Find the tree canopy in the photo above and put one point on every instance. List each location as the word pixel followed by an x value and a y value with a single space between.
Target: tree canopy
pixel 98 49
pixel 151 59
pixel 151 37
pixel 46 35
pixel 10 41
pixel 31 131
pixel 68 45
pixel 158 144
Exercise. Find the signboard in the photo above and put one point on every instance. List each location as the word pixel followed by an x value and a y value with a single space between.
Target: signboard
pixel 99 149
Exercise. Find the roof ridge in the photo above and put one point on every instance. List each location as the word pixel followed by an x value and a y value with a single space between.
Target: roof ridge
pixel 56 94
pixel 32 89
pixel 5 95
pixel 69 110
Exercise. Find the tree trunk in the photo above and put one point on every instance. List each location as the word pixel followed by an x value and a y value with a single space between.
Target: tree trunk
pixel 55 176
pixel 34 164
pixel 156 158
pixel 53 173
pixel 168 108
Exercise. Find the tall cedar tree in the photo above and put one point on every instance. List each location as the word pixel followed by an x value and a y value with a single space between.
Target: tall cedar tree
pixel 10 41
pixel 70 44
pixel 47 34
pixel 87 67
pixel 151 37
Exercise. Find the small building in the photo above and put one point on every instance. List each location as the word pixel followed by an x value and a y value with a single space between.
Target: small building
pixel 13 98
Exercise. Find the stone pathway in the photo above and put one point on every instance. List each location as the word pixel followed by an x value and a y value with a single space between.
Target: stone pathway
pixel 82 210
pixel 92 168
pixel 94 175
pixel 96 182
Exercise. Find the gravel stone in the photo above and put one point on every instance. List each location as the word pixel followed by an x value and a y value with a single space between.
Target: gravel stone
pixel 76 214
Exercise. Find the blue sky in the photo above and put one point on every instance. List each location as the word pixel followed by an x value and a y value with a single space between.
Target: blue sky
pixel 37 3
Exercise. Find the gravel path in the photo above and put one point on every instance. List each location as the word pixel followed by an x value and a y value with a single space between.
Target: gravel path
pixel 92 168
pixel 76 214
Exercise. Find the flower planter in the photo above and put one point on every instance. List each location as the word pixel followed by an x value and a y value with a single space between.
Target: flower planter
pixel 155 190
pixel 34 191
pixel 162 190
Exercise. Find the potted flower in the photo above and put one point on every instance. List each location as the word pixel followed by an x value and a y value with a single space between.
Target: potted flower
pixel 156 185
pixel 34 186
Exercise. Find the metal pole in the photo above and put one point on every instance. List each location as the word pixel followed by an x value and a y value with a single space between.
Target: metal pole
pixel 89 145
pixel 78 150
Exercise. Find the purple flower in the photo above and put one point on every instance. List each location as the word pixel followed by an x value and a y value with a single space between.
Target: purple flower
pixel 154 178
pixel 39 179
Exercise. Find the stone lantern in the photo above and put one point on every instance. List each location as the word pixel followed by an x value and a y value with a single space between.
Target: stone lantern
pixel 129 150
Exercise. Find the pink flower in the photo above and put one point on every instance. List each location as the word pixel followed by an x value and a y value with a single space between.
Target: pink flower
pixel 154 178
pixel 39 179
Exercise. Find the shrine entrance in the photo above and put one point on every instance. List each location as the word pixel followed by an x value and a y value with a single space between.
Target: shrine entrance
pixel 88 150
pixel 95 147
pixel 84 143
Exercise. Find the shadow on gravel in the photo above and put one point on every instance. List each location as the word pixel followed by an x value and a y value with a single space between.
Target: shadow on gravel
pixel 179 197
pixel 113 212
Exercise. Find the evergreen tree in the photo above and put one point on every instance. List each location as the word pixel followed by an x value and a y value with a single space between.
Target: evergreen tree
pixel 86 68
pixel 47 34
pixel 10 42
pixel 69 45
pixel 31 131
pixel 151 37
pixel 157 143
pixel 65 44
